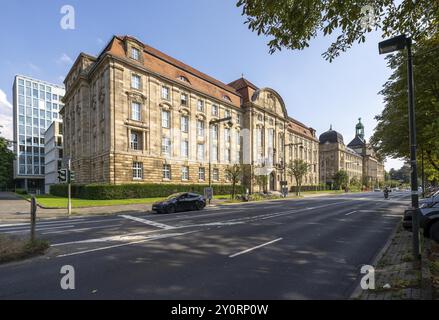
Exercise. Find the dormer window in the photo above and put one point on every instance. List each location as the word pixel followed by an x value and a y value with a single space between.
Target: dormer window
pixel 184 79
pixel 227 98
pixel 135 54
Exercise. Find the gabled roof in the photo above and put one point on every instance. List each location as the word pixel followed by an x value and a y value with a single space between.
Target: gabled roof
pixel 242 83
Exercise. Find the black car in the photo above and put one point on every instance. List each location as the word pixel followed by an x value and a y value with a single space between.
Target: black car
pixel 183 201
pixel 428 220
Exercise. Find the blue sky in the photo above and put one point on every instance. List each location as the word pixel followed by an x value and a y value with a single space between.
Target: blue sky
pixel 209 35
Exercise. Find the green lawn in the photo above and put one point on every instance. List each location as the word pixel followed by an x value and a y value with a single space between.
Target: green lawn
pixel 49 201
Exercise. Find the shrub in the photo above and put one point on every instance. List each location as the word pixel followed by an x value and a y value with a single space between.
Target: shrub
pixel 132 191
pixel 21 191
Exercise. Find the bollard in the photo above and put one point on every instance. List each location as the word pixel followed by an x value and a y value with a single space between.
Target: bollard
pixel 33 215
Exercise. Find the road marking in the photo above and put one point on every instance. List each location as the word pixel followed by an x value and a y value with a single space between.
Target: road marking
pixel 254 248
pixel 40 229
pixel 148 222
pixel 393 215
pixel 27 224
pixel 82 229
pixel 126 244
pixel 348 214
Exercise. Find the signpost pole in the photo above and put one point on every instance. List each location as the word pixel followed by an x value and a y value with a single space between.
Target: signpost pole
pixel 69 188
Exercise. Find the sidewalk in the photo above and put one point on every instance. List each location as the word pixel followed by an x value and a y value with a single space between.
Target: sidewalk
pixel 397 276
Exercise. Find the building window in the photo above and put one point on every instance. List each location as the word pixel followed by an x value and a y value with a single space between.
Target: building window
pixel 227 155
pixel 135 111
pixel 239 119
pixel 185 124
pixel 200 151
pixel 185 148
pixel 200 128
pixel 135 54
pixel 227 135
pixel 167 172
pixel 214 155
pixel 137 170
pixel 200 106
pixel 214 110
pixel 227 113
pixel 215 175
pixel 201 174
pixel 134 141
pixel 215 132
pixel 184 173
pixel 165 93
pixel 227 98
pixel 183 78
pixel 166 119
pixel 135 81
pixel 183 99
pixel 166 146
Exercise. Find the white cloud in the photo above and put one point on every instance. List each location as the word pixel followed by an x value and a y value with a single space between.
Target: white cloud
pixel 5 116
pixel 65 59
pixel 100 41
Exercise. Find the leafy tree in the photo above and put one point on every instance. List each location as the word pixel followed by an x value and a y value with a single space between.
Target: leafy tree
pixel 354 182
pixel 261 181
pixel 297 169
pixel 234 175
pixel 6 164
pixel 292 24
pixel 391 136
pixel 341 179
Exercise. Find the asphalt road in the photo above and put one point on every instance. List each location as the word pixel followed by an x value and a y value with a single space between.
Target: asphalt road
pixel 291 249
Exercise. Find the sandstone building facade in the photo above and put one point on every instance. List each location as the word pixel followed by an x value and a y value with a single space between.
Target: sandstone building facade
pixel 134 114
pixel 357 158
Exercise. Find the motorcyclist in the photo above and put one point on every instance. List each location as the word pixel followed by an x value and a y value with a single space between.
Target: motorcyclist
pixel 386 193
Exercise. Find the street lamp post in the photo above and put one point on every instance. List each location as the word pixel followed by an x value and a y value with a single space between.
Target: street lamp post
pixel 394 44
pixel 211 123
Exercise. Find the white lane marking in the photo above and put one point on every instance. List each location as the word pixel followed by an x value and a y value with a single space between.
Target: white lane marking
pixel 27 224
pixel 46 225
pixel 40 229
pixel 348 214
pixel 254 248
pixel 126 244
pixel 82 229
pixel 148 222
pixel 393 215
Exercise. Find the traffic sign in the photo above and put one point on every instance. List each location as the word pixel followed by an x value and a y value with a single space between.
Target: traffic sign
pixel 62 175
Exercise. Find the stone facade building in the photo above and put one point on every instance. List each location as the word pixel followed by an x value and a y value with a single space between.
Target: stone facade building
pixel 357 158
pixel 134 114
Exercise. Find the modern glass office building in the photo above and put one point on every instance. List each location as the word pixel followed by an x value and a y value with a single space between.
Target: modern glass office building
pixel 36 106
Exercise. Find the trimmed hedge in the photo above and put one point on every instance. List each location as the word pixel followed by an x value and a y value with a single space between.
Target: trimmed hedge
pixel 310 188
pixel 133 191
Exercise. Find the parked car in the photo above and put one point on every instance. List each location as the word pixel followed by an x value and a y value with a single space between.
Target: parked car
pixel 377 190
pixel 429 200
pixel 183 201
pixel 429 221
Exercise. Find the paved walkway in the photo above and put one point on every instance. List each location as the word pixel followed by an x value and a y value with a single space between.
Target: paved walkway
pixel 397 276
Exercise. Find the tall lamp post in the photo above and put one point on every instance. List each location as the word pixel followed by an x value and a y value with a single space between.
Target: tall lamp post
pixel 211 123
pixel 395 44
